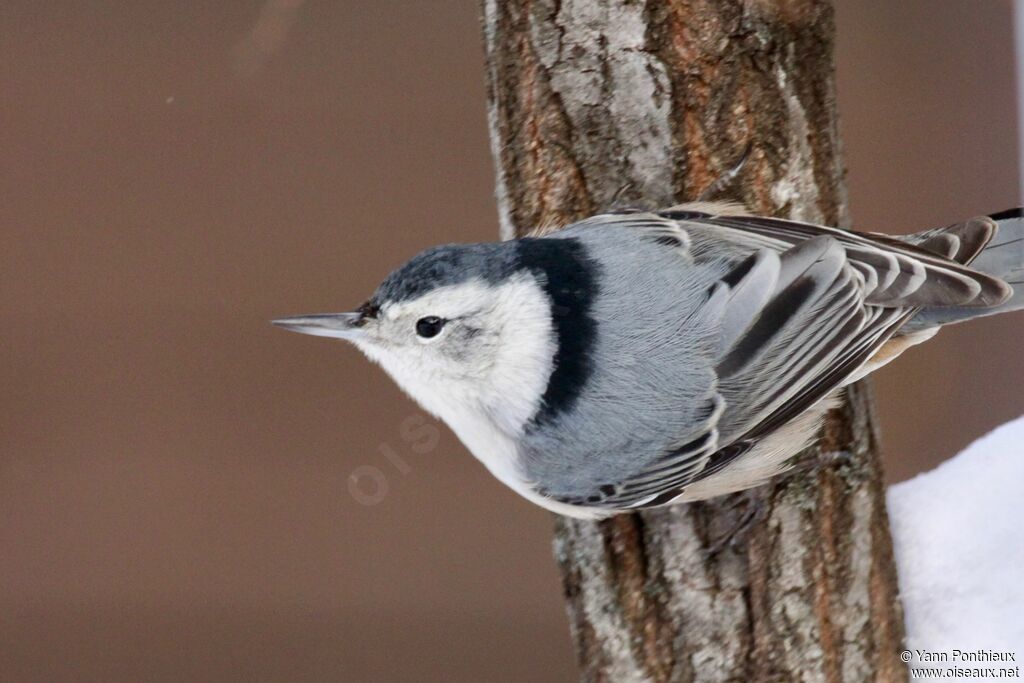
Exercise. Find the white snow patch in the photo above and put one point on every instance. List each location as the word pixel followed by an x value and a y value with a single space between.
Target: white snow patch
pixel 958 533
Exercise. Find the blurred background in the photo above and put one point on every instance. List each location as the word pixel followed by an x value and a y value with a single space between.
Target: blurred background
pixel 175 498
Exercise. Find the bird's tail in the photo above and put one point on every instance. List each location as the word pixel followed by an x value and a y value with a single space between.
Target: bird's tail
pixel 1000 254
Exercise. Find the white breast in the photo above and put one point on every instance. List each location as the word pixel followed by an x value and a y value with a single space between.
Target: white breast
pixel 489 402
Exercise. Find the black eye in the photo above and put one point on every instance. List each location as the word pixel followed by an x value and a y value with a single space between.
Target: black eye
pixel 430 326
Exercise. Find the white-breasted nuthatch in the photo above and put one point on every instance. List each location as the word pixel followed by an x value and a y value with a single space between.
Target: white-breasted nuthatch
pixel 639 359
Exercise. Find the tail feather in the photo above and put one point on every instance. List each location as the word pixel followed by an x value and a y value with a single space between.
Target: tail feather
pixel 1000 254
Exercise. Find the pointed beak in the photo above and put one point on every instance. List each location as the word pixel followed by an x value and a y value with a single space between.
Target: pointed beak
pixel 338 325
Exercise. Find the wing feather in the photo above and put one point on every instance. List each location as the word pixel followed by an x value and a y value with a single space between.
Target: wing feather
pixel 899 264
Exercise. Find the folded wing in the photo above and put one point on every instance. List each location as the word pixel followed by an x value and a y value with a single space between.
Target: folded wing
pixel 801 309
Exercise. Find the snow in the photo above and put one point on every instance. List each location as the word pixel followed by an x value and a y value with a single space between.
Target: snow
pixel 958 533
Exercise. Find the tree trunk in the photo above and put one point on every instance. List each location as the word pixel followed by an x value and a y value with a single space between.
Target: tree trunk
pixel 594 103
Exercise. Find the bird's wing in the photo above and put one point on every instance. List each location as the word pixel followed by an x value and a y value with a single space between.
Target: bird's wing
pixel 799 314
pixel 792 327
pixel 896 272
pixel 794 354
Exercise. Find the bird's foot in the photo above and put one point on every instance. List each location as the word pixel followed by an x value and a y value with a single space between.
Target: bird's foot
pixel 755 510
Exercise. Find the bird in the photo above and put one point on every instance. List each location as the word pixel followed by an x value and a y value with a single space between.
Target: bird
pixel 644 358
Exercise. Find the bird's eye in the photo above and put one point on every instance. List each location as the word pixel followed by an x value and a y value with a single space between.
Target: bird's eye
pixel 430 326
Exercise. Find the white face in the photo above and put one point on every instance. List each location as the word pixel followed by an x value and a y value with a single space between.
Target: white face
pixel 468 352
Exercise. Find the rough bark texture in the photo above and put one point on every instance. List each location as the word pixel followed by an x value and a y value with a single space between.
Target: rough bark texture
pixel 622 102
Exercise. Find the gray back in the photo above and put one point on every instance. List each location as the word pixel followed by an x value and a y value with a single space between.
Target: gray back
pixel 652 383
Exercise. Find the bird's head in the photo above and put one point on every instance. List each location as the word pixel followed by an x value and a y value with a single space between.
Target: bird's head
pixel 461 328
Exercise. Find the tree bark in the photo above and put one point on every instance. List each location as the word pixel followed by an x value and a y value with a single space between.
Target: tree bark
pixel 594 103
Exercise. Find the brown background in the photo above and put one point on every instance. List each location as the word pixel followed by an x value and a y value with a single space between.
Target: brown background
pixel 173 471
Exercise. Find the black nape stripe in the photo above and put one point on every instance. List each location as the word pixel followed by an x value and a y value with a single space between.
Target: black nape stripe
pixel 568 277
